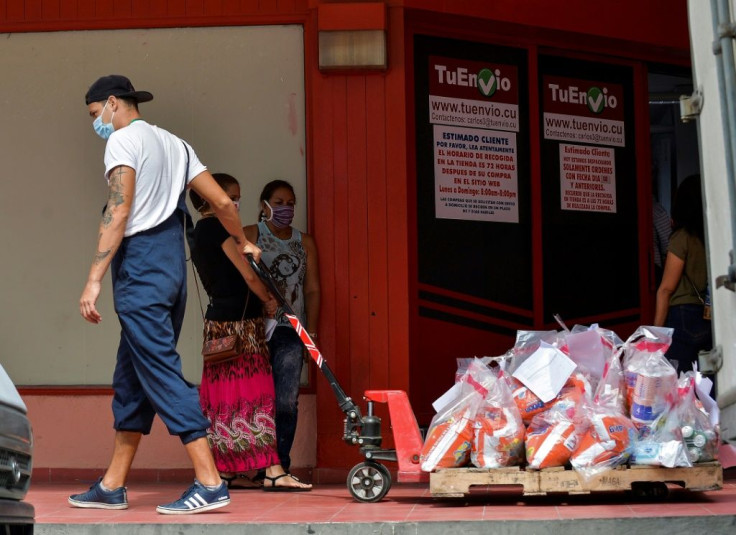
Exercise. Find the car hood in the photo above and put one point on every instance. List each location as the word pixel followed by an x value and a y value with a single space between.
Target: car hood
pixel 8 394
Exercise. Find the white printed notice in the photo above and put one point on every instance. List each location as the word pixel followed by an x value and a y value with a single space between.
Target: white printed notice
pixel 587 178
pixel 474 112
pixel 475 174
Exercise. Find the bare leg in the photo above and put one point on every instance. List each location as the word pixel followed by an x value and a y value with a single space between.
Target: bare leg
pixel 126 444
pixel 203 462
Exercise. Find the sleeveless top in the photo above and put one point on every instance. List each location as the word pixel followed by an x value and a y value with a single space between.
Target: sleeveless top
pixel 287 263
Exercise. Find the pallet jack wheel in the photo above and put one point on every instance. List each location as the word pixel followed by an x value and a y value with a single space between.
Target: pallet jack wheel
pixel 649 490
pixel 369 481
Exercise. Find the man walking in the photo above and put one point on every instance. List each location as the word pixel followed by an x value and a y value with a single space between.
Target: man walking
pixel 141 240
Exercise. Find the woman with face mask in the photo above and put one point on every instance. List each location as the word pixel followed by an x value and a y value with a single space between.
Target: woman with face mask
pixel 291 257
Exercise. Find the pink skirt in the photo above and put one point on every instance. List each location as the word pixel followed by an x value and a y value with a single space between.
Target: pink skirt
pixel 237 396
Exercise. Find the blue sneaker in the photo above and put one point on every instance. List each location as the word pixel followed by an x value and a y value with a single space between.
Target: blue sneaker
pixel 96 498
pixel 197 499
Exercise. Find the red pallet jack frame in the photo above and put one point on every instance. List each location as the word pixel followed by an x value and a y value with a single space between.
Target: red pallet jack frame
pixel 368 481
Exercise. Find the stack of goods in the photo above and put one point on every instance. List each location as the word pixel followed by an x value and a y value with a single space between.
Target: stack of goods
pixel 579 398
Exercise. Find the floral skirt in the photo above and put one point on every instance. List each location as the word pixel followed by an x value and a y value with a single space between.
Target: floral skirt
pixel 237 396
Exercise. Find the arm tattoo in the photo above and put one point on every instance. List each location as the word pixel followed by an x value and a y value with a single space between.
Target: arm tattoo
pixel 106 217
pixel 115 197
pixel 101 255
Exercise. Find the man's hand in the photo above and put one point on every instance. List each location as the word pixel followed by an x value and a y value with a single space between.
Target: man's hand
pixel 252 249
pixel 87 302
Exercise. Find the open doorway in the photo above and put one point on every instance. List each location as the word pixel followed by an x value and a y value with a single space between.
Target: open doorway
pixel 674 153
pixel 674 143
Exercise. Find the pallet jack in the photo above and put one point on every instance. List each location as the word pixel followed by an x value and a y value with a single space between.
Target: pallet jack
pixel 368 481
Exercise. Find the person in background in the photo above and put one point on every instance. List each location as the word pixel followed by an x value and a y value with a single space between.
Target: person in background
pixel 662 229
pixel 681 295
pixel 141 239
pixel 237 395
pixel 291 257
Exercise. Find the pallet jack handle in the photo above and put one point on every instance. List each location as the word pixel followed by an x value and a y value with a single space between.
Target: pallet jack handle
pixel 347 405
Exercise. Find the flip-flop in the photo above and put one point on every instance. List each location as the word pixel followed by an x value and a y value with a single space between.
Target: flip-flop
pixel 273 488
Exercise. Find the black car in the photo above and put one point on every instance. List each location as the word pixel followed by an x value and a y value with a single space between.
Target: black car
pixel 16 454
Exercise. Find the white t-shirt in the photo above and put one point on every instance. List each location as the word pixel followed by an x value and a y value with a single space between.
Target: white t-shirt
pixel 158 158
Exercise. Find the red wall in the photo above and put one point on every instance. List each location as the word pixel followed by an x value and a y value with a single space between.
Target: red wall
pixel 358 138
pixel 358 173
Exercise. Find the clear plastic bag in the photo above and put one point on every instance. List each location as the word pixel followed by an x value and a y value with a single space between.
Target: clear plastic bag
pixel 661 443
pixel 550 439
pixel 499 431
pixel 463 363
pixel 700 435
pixel 644 342
pixel 591 348
pixel 450 435
pixel 529 405
pixel 608 435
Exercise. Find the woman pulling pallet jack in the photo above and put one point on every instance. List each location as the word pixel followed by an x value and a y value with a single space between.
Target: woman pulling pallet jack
pixel 368 481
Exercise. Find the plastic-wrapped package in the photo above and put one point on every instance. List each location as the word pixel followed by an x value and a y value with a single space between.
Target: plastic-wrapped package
pixel 655 387
pixel 638 349
pixel 449 441
pixel 611 391
pixel 450 436
pixel 609 434
pixel 526 401
pixel 590 348
pixel 662 444
pixel 499 431
pixel 550 439
pixel 700 435
pixel 651 380
pixel 607 443
pixel 530 405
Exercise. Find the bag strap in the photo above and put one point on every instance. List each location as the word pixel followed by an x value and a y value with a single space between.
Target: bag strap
pixel 188 225
pixel 697 293
pixel 199 295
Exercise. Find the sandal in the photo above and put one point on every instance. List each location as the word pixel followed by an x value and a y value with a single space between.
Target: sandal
pixel 282 488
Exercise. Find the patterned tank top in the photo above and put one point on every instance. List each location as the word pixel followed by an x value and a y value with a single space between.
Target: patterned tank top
pixel 287 263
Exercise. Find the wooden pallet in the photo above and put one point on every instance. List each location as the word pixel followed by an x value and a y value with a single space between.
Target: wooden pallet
pixel 456 482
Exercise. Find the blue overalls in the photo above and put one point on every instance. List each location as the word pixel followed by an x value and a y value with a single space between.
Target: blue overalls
pixel 150 293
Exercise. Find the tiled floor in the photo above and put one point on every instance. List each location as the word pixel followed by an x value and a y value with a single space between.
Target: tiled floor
pixel 404 503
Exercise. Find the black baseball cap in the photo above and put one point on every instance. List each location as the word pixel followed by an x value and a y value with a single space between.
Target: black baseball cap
pixel 114 85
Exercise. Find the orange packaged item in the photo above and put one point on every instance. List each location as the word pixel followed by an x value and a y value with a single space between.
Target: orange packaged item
pixel 499 438
pixel 526 401
pixel 607 442
pixel 448 443
pixel 550 443
pixel 530 405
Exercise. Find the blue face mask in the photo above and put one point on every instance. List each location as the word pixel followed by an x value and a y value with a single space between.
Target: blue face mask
pixel 104 130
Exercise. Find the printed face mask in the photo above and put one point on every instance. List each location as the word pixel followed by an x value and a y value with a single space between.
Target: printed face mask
pixel 281 216
pixel 104 130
